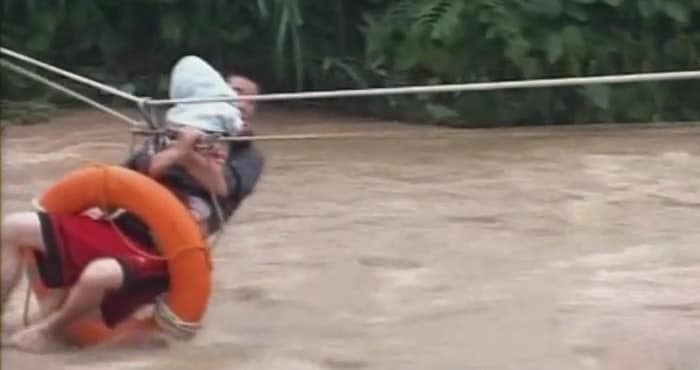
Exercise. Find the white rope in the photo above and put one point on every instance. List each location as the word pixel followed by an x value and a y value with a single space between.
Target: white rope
pixel 70 92
pixel 312 136
pixel 605 79
pixel 171 323
pixel 479 86
pixel 73 76
pixel 27 298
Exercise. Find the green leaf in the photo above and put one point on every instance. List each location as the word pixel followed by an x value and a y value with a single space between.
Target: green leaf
pixel 236 35
pixel 491 33
pixel 573 37
pixel 280 43
pixel 531 68
pixel 39 42
pixel 449 24
pixel 599 95
pixel 409 55
pixel 549 8
pixel 646 8
pixel 576 12
pixel 555 49
pixel 349 70
pixel 163 83
pixel 676 11
pixel 298 58
pixel 171 28
pixel 48 21
pixel 614 3
pixel 440 112
pixel 439 61
pixel 262 9
pixel 517 50
pixel 128 88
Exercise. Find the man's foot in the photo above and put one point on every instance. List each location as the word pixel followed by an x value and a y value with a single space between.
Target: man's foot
pixel 36 338
pixel 5 336
pixel 139 338
pixel 51 302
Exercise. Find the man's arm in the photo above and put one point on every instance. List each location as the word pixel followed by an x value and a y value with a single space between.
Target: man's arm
pixel 235 178
pixel 154 165
pixel 206 172
pixel 159 162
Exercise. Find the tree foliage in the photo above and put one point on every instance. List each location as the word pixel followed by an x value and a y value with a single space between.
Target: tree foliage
pixel 311 45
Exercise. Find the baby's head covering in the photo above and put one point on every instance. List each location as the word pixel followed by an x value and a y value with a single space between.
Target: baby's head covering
pixel 192 77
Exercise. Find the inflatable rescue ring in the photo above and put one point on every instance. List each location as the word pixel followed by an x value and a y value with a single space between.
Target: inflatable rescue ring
pixel 176 233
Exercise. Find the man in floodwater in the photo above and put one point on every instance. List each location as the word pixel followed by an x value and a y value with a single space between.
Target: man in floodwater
pixel 245 86
pixel 85 261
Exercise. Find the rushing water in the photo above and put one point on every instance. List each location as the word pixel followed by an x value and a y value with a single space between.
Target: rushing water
pixel 539 248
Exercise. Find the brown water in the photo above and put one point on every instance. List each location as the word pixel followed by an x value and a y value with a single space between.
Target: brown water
pixel 544 248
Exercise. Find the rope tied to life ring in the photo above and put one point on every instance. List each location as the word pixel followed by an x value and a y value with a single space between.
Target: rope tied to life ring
pixel 104 207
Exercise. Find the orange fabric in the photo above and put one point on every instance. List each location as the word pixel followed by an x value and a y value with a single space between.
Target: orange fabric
pixel 175 231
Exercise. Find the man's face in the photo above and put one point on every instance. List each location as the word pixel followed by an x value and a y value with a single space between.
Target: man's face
pixel 218 152
pixel 244 86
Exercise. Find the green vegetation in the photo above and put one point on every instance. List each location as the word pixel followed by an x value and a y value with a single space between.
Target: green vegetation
pixel 312 45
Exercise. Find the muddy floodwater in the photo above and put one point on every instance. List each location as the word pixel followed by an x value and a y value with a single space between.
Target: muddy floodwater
pixel 519 248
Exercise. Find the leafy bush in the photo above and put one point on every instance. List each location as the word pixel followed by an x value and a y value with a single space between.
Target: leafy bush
pixel 306 45
pixel 461 41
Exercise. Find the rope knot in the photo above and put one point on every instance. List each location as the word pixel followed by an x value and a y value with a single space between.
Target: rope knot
pixel 171 324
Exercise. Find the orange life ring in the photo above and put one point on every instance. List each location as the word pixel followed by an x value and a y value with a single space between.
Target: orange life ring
pixel 176 233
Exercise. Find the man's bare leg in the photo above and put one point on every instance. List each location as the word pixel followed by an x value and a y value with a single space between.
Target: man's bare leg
pixel 98 278
pixel 18 230
pixel 51 301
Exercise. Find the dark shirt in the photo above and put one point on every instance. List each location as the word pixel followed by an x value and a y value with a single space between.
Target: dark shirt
pixel 242 171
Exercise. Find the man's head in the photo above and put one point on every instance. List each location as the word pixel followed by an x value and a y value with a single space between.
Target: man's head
pixel 244 86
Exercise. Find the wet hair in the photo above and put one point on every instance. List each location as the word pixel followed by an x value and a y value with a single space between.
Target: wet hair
pixel 254 82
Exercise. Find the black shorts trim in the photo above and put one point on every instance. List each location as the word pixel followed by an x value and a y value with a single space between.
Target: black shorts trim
pixel 49 263
pixel 135 229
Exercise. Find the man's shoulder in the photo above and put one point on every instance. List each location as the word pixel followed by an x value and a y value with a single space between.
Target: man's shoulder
pixel 246 152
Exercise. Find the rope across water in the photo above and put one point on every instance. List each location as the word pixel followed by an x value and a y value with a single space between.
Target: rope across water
pixel 147 105
pixel 70 92
pixel 72 76
pixel 445 88
pixel 479 86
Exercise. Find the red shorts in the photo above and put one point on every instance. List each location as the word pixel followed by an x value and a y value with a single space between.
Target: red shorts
pixel 72 242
